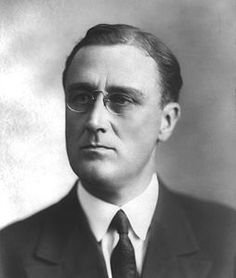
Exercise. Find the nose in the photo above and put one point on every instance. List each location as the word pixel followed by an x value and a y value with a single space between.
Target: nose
pixel 97 120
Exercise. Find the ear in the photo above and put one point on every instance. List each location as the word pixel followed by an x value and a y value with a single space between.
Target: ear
pixel 169 118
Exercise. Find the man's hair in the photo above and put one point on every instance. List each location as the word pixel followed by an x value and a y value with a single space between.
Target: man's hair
pixel 118 34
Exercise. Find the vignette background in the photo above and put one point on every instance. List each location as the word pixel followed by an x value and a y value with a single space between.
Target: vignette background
pixel 35 38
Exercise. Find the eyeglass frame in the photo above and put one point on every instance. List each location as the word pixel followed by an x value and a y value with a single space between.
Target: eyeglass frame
pixel 93 100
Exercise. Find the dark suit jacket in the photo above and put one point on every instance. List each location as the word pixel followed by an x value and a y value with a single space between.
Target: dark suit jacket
pixel 188 239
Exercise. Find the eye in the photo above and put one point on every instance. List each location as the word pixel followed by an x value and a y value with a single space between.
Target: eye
pixel 80 98
pixel 120 99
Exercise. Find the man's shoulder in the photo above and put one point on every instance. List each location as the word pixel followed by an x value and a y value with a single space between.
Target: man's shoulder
pixel 27 230
pixel 213 224
pixel 199 210
pixel 39 237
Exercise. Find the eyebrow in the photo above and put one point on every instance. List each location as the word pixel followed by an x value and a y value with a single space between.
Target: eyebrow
pixel 81 85
pixel 110 89
pixel 127 89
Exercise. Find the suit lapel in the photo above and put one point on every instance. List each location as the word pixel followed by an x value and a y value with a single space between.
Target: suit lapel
pixel 83 255
pixel 67 247
pixel 172 249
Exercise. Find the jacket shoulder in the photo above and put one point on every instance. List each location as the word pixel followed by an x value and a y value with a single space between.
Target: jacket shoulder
pixel 214 224
pixel 21 237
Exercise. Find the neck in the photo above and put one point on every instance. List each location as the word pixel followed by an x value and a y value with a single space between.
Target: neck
pixel 117 193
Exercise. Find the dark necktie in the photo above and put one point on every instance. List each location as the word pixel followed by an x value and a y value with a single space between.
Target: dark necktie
pixel 122 259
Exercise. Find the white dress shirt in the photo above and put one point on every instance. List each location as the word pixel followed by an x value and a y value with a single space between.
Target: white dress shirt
pixel 139 211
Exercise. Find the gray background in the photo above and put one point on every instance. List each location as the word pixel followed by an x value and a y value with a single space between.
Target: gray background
pixel 35 38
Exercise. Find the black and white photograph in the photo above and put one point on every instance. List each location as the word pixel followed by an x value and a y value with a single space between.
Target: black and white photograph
pixel 117 139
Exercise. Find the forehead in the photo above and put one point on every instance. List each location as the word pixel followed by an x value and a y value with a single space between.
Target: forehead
pixel 113 65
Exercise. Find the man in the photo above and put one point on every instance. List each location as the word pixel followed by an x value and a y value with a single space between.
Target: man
pixel 121 92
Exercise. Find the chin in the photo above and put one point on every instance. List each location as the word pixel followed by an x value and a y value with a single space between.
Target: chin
pixel 100 182
pixel 95 173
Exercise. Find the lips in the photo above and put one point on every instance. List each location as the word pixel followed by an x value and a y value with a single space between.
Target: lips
pixel 95 147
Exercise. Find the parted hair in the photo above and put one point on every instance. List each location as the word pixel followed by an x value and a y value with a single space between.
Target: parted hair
pixel 113 34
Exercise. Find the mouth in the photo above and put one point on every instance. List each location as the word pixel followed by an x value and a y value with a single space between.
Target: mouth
pixel 96 147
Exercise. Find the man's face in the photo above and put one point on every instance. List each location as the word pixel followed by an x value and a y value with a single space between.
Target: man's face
pixel 115 150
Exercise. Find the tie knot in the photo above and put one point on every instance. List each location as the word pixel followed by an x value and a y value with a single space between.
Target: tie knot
pixel 120 222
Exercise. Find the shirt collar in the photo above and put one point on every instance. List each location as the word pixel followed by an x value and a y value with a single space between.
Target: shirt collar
pixel 139 210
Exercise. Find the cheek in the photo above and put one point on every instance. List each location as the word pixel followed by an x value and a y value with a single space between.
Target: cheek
pixel 139 140
pixel 73 126
pixel 142 129
pixel 73 135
